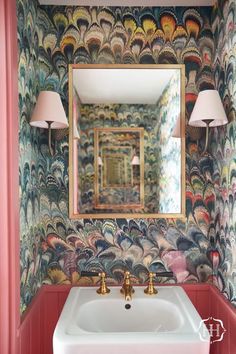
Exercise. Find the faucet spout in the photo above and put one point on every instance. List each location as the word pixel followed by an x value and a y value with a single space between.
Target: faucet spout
pixel 127 289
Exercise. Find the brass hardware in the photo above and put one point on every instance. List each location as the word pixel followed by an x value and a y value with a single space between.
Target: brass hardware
pixel 150 290
pixel 127 288
pixel 103 289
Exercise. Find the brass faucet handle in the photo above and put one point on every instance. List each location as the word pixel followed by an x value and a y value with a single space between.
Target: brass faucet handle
pixel 127 282
pixel 127 289
pixel 103 289
pixel 150 290
pixel 127 275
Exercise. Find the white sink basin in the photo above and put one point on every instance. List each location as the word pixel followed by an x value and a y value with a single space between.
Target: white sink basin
pixel 112 316
pixel 165 323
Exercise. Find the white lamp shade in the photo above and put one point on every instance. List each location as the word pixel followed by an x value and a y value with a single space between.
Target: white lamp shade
pixel 76 133
pixel 135 160
pixel 49 108
pixel 100 163
pixel 208 107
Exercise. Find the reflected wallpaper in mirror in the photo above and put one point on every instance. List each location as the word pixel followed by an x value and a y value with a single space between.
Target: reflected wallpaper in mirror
pixel 119 168
pixel 127 147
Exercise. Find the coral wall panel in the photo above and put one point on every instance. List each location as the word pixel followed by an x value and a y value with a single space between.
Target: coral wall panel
pixel 31 327
pixel 231 335
pixel 25 338
pixel 221 309
pixel 53 299
pixel 203 302
pixel 50 317
pixel 35 329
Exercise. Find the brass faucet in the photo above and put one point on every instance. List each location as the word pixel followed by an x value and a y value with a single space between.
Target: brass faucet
pixel 150 290
pixel 127 288
pixel 103 289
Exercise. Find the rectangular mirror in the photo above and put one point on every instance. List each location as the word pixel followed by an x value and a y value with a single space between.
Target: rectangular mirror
pixel 127 141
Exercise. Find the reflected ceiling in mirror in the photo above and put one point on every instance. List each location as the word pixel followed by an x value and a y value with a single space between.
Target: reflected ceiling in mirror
pixel 127 141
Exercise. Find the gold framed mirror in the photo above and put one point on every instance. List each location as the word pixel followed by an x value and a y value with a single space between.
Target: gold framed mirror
pixel 119 168
pixel 126 141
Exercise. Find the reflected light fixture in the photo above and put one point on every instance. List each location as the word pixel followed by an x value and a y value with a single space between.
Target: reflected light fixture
pixel 49 114
pixel 100 163
pixel 208 112
pixel 76 132
pixel 135 160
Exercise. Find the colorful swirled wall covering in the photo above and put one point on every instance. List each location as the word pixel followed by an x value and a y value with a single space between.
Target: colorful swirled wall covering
pixel 29 151
pixel 53 247
pixel 223 147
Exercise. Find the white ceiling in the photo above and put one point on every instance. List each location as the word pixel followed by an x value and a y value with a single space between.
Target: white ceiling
pixel 122 86
pixel 128 2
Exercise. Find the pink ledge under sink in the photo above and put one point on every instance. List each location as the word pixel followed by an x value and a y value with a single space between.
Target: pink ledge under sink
pixel 165 323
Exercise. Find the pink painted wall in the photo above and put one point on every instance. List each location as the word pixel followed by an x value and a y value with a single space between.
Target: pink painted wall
pixel 9 186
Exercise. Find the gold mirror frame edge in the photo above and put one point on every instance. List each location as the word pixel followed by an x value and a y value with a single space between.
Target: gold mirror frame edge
pixel 181 215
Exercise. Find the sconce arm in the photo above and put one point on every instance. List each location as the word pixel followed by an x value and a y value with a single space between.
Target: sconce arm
pixel 50 137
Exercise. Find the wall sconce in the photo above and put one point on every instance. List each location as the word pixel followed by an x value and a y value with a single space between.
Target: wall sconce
pixel 208 112
pixel 76 132
pixel 100 163
pixel 135 160
pixel 49 114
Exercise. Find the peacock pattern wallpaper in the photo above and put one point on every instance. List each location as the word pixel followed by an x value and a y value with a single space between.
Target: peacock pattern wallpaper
pixel 223 148
pixel 54 249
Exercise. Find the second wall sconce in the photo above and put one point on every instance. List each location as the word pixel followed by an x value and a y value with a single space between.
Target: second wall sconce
pixel 49 114
pixel 135 159
pixel 100 163
pixel 208 112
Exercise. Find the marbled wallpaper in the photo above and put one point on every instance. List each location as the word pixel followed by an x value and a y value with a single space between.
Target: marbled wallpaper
pixel 223 147
pixel 169 149
pixel 54 248
pixel 29 142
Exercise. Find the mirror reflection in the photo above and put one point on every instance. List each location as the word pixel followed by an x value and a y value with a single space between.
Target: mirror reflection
pixel 119 168
pixel 126 140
